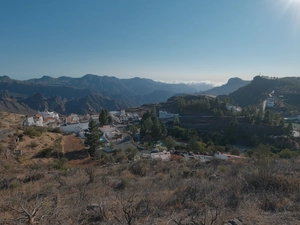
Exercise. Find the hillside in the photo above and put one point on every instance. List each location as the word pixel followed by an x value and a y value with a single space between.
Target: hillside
pixel 232 85
pixel 261 87
pixel 66 94
pixel 71 188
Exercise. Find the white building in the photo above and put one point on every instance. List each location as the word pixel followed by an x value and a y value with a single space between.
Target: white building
pixel 122 116
pixel 164 156
pixel 74 127
pixel 46 114
pixel 35 120
pixel 234 108
pixel 111 132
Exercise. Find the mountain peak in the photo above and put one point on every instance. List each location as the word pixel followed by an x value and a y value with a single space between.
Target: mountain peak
pixel 5 77
pixel 234 80
pixel 232 85
pixel 38 97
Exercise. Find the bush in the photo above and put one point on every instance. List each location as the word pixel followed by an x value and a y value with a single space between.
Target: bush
pixel 60 164
pixel 286 154
pixel 55 130
pixel 33 144
pixel 45 153
pixel 249 153
pixel 139 168
pixel 122 185
pixel 14 185
pixel 121 157
pixel 105 157
pixel 235 151
pixel 34 131
pixel 131 153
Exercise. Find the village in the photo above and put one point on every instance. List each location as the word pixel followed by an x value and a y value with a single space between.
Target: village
pixel 117 135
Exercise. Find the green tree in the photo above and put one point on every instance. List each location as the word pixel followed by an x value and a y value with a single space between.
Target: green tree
pixel 131 153
pixel 207 103
pixel 156 130
pixel 285 153
pixel 153 113
pixel 235 151
pixel 217 103
pixel 163 130
pixel 146 129
pixel 145 116
pixel 103 117
pixel 289 128
pixel 133 129
pixel 170 142
pixel 177 132
pixel 218 113
pixel 92 138
pixel 177 121
pixel 259 117
pixel 109 119
pixel 195 145
pixel 181 104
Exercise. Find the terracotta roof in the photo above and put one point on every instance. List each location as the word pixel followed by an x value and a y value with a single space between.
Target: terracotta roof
pixel 48 118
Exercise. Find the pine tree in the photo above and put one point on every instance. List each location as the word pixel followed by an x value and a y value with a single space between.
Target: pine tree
pixel 289 128
pixel 103 117
pixel 109 119
pixel 155 130
pixel 92 138
pixel 153 113
pixel 163 131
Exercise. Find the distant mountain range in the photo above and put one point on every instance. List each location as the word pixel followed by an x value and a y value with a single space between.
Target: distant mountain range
pixel 76 95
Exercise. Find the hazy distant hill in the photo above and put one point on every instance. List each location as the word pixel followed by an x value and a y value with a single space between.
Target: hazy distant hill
pixel 67 94
pixel 232 85
pixel 113 85
pixel 202 86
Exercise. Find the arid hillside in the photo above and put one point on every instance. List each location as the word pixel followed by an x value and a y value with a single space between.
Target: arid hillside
pixel 54 181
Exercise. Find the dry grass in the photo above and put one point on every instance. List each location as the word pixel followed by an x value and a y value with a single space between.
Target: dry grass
pixel 143 192
pixel 166 194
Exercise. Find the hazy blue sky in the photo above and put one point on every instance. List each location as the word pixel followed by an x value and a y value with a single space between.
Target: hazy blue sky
pixel 165 40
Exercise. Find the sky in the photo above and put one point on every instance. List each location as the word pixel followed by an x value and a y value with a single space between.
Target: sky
pixel 165 40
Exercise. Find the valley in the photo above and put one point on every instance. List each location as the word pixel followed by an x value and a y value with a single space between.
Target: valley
pixel 192 159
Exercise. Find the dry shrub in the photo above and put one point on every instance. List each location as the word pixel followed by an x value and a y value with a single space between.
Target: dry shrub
pixel 33 144
pixel 274 203
pixel 33 177
pixel 2 147
pixel 139 168
pixel 272 183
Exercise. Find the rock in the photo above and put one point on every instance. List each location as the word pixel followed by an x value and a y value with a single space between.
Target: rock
pixel 236 221
pixel 212 177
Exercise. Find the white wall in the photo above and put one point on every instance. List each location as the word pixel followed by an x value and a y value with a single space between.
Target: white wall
pixel 75 128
